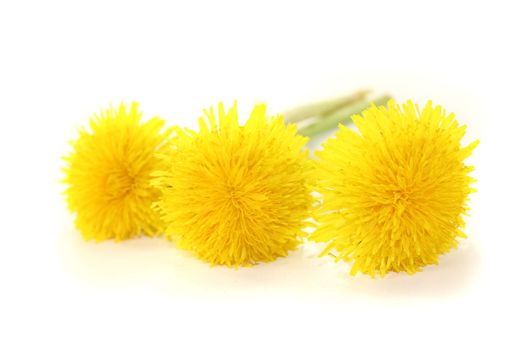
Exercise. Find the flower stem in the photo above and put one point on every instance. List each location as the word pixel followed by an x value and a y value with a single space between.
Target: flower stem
pixel 332 118
pixel 323 108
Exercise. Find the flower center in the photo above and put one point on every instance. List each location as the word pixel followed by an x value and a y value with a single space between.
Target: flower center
pixel 119 184
pixel 243 198
pixel 400 200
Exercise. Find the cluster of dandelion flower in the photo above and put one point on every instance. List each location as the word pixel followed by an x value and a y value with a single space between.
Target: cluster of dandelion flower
pixel 392 195
pixel 236 195
pixel 108 175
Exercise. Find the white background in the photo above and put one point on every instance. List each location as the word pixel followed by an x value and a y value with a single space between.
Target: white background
pixel 62 61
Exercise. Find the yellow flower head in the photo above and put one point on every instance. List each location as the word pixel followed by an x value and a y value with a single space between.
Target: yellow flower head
pixel 108 175
pixel 394 193
pixel 236 195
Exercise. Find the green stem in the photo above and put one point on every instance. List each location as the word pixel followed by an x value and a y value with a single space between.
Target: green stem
pixel 323 108
pixel 340 116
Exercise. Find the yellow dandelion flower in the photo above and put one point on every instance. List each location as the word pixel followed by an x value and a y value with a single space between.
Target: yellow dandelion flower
pixel 236 195
pixel 108 175
pixel 394 193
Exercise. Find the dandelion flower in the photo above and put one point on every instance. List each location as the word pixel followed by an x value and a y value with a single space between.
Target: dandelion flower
pixel 236 195
pixel 108 175
pixel 394 194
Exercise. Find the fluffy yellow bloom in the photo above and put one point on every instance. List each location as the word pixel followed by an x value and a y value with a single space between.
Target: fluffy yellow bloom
pixel 394 193
pixel 236 195
pixel 108 175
